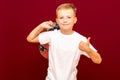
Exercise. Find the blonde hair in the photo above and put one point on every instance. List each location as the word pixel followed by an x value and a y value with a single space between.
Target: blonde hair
pixel 66 6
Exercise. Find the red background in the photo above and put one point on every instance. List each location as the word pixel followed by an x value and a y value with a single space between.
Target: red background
pixel 20 60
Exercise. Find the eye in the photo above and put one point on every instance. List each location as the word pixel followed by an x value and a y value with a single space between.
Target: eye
pixel 68 17
pixel 61 17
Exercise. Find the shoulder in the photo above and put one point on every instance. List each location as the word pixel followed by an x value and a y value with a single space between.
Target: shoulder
pixel 51 34
pixel 48 32
pixel 79 36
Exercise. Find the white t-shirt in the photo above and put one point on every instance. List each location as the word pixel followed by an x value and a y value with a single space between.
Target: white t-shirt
pixel 64 54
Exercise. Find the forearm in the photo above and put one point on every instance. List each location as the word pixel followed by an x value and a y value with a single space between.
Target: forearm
pixel 95 56
pixel 34 33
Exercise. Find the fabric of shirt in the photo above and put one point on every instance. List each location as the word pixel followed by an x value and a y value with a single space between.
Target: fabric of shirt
pixel 64 54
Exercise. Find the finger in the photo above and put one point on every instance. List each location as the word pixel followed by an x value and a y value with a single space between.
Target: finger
pixel 50 23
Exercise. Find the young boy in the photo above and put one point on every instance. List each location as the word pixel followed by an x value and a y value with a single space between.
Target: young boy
pixel 65 45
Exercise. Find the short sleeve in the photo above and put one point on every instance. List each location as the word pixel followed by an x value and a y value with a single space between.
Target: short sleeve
pixel 44 38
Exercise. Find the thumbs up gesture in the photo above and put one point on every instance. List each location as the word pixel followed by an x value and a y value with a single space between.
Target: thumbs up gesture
pixel 84 46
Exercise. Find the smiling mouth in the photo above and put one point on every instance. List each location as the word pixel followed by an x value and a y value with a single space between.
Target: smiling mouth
pixel 65 24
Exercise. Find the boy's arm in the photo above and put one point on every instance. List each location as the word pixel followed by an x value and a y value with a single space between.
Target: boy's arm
pixel 33 36
pixel 95 56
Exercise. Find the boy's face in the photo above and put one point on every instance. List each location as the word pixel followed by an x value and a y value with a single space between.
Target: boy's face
pixel 66 19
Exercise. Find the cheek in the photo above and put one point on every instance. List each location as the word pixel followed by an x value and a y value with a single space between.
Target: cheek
pixel 59 21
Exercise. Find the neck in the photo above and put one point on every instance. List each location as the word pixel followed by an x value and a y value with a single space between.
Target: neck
pixel 67 32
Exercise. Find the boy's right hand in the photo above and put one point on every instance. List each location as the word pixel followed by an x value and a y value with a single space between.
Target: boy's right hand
pixel 47 25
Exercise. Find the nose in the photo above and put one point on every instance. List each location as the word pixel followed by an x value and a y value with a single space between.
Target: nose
pixel 65 20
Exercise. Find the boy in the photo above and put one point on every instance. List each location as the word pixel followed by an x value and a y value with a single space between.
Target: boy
pixel 65 45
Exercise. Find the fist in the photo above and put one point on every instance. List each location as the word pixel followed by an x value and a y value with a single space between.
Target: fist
pixel 84 46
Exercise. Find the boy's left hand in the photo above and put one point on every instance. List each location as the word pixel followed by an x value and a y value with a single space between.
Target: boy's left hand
pixel 84 46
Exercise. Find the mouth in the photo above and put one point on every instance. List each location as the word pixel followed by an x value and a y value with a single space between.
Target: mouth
pixel 65 24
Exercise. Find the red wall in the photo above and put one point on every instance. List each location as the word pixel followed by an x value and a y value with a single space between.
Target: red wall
pixel 20 60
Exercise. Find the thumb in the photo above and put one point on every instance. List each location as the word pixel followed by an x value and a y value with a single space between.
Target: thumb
pixel 88 39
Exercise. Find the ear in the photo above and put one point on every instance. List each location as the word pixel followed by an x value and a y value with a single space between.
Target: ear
pixel 75 20
pixel 56 20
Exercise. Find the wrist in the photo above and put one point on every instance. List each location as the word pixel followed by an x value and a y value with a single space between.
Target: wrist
pixel 41 27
